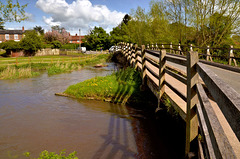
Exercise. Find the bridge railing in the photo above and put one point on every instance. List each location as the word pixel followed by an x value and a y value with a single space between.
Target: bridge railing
pixel 203 101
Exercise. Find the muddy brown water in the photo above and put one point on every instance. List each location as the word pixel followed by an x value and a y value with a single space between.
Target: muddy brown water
pixel 33 119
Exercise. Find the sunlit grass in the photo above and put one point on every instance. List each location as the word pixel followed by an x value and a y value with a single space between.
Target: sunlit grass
pixel 14 73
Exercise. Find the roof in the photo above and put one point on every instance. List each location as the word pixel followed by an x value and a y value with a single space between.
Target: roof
pixel 11 32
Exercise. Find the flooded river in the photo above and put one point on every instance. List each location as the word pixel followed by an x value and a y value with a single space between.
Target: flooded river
pixel 33 119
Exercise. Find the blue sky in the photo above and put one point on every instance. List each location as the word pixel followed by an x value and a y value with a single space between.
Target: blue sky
pixel 76 14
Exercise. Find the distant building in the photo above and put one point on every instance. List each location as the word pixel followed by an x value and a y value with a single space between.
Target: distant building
pixel 75 39
pixel 15 35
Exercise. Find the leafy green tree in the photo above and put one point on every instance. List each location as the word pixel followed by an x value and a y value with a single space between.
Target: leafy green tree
pixel 97 39
pixel 31 42
pixel 10 11
pixel 11 45
pixel 39 29
pixel 56 44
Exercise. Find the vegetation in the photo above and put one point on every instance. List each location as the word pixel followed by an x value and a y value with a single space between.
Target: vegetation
pixel 119 87
pixel 10 11
pixel 25 67
pixel 32 42
pixel 15 72
pixel 52 155
pixel 97 39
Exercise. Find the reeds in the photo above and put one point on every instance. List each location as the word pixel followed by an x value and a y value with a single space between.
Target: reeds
pixel 14 73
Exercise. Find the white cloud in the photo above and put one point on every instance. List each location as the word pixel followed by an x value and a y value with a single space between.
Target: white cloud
pixel 79 14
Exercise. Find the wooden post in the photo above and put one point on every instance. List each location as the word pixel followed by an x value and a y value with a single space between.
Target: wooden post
pixel 71 59
pixel 191 49
pixel 135 56
pixel 162 46
pixel 209 54
pixel 51 60
pixel 192 99
pixel 148 46
pixel 79 59
pixel 152 47
pixel 231 55
pixel 179 49
pixel 162 66
pixel 16 61
pixel 171 48
pixel 144 81
pixel 156 46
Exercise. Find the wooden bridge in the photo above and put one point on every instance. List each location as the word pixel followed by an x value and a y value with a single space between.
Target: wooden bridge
pixel 209 106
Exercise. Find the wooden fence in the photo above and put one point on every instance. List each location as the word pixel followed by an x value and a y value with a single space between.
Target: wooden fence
pixel 210 107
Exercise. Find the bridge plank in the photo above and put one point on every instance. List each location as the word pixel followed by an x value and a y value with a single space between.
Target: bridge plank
pixel 222 147
pixel 176 60
pixel 227 98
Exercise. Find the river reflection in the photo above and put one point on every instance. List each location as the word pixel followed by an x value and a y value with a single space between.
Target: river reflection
pixel 33 119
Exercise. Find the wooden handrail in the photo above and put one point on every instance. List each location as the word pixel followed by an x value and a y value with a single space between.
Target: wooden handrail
pixel 199 110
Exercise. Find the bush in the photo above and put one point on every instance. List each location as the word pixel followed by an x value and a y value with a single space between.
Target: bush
pixel 11 46
pixel 56 44
pixel 32 42
pixel 70 46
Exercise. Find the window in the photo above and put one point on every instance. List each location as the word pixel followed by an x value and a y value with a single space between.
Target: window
pixel 78 41
pixel 15 36
pixel 7 36
pixel 70 41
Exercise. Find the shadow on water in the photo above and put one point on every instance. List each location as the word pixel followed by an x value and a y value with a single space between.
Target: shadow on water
pixel 155 135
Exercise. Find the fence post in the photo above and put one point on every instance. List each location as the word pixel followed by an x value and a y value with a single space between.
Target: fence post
pixel 171 48
pixel 192 99
pixel 209 54
pixel 143 68
pixel 156 46
pixel 231 55
pixel 179 49
pixel 191 49
pixel 148 46
pixel 161 85
pixel 135 56
pixel 130 54
pixel 153 47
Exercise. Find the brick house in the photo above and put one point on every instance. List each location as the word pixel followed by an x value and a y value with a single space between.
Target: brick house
pixel 15 35
pixel 75 39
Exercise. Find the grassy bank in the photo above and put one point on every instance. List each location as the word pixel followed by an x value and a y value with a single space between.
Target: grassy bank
pixel 119 87
pixel 25 67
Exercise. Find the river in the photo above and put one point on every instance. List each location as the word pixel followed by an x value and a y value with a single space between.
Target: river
pixel 33 119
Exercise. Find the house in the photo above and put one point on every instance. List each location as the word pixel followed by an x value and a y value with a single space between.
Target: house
pixel 15 35
pixel 75 39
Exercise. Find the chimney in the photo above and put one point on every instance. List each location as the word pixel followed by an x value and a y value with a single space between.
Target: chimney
pixel 76 35
pixel 23 28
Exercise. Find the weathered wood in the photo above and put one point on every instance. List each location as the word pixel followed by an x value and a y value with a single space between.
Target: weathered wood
pixel 175 90
pixel 226 97
pixel 231 55
pixel 143 66
pixel 219 146
pixel 208 54
pixel 161 68
pixel 176 60
pixel 191 118
pixel 177 76
pixel 135 57
pixel 154 53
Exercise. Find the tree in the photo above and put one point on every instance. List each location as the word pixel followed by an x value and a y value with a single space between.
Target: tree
pixel 31 42
pixel 12 12
pixel 39 29
pixel 97 39
pixel 54 35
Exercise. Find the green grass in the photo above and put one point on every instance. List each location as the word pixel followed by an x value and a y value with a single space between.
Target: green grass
pixel 117 87
pixel 10 67
pixel 14 73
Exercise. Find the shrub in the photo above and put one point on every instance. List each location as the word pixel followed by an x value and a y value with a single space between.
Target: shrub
pixel 11 46
pixel 56 44
pixel 32 42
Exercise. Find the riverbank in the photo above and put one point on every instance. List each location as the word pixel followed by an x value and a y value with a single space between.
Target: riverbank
pixel 27 67
pixel 122 87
